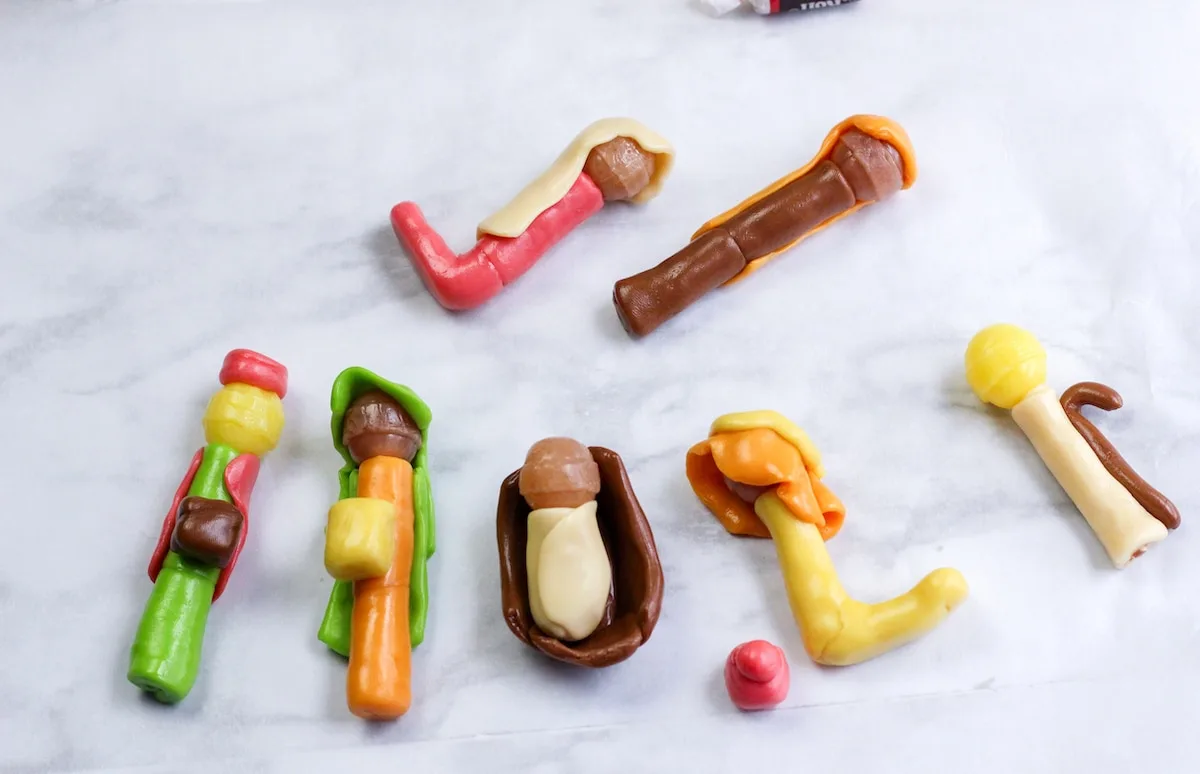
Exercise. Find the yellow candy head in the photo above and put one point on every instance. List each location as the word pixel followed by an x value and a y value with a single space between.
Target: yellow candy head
pixel 245 417
pixel 1004 363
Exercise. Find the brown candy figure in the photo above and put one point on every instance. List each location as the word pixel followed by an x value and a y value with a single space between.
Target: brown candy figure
pixel 865 159
pixel 545 506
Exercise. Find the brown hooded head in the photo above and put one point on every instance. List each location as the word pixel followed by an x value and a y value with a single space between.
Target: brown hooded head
pixel 375 425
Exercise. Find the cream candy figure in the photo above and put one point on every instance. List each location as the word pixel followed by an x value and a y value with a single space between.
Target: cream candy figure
pixel 569 573
pixel 1006 366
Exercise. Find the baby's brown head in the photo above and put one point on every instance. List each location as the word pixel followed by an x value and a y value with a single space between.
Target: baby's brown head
pixel 559 473
pixel 375 425
pixel 620 168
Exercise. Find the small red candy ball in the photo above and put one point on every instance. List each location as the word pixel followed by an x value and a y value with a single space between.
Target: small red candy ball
pixel 756 675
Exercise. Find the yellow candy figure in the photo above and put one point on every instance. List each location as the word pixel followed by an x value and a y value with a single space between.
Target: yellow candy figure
pixel 760 475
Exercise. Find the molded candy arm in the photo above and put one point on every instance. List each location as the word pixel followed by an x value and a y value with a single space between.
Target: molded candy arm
pixel 424 545
pixel 164 536
pixel 240 477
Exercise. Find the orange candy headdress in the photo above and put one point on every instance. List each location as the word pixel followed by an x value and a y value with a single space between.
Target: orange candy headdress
pixel 762 448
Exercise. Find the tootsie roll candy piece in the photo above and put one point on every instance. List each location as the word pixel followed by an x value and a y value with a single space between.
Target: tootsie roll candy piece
pixel 620 169
pixel 792 211
pixel 376 425
pixel 772 7
pixel 647 300
pixel 207 530
pixel 863 160
pixel 559 473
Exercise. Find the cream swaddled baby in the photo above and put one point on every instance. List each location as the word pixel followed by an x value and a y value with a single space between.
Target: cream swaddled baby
pixel 568 569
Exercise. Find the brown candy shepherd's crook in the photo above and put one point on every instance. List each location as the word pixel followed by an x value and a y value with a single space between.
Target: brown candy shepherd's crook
pixel 1105 397
pixel 634 606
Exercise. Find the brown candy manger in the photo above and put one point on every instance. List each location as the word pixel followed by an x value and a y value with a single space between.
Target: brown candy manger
pixel 636 598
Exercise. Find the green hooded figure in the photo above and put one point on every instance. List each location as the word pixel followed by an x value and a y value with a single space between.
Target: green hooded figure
pixel 349 386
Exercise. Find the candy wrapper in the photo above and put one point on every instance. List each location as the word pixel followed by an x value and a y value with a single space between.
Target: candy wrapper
pixel 771 7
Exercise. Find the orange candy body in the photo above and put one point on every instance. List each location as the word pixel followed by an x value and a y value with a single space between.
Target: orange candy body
pixel 379 677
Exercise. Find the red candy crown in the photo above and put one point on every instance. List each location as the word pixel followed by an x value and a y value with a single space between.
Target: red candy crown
pixel 249 367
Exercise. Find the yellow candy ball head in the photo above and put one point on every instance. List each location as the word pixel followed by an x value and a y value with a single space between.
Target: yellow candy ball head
pixel 245 417
pixel 1004 363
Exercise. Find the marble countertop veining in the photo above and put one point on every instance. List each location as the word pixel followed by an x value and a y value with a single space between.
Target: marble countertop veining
pixel 180 179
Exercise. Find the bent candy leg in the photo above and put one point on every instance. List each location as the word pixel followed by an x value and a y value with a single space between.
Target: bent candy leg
pixel 838 630
pixel 456 281
pixel 466 281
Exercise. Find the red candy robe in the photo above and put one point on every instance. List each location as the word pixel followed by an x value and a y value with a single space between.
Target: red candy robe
pixel 240 475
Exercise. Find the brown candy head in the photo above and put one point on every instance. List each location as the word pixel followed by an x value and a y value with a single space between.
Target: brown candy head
pixel 872 167
pixel 375 425
pixel 620 168
pixel 559 473
pixel 746 492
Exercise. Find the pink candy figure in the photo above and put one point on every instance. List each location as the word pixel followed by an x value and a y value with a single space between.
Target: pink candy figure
pixel 756 675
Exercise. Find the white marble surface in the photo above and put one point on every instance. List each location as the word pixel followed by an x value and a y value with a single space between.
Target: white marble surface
pixel 179 179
